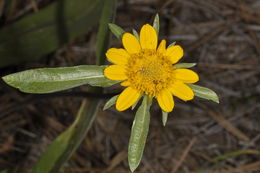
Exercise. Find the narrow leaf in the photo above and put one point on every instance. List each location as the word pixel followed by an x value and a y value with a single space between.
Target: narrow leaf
pixel 38 34
pixel 65 145
pixel 172 44
pixel 110 102
pixel 103 30
pixel 136 34
pixel 116 30
pixel 205 93
pixel 156 23
pixel 164 117
pixel 47 80
pixel 236 153
pixel 139 133
pixel 184 65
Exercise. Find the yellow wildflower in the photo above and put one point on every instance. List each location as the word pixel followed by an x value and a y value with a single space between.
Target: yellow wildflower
pixel 147 69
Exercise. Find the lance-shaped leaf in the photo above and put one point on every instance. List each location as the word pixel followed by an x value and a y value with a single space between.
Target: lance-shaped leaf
pixel 116 30
pixel 47 80
pixel 60 150
pixel 102 43
pixel 205 93
pixel 164 118
pixel 184 65
pixel 136 34
pixel 139 133
pixel 110 102
pixel 40 33
pixel 172 44
pixel 156 24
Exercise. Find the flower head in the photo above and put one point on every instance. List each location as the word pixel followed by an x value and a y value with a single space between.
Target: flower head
pixel 145 68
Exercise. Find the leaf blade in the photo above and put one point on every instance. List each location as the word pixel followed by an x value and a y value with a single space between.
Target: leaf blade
pixel 164 118
pixel 139 134
pixel 36 34
pixel 47 80
pixel 136 34
pixel 184 65
pixel 102 43
pixel 205 93
pixel 156 23
pixel 65 144
pixel 172 44
pixel 110 102
pixel 116 30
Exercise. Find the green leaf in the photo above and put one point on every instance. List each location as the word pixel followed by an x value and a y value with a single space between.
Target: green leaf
pixel 156 23
pixel 136 34
pixel 116 30
pixel 205 93
pixel 172 44
pixel 184 65
pixel 61 149
pixel 164 117
pixel 103 31
pixel 47 80
pixel 40 33
pixel 139 133
pixel 110 102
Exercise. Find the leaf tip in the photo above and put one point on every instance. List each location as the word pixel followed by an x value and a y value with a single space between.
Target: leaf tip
pixel 8 80
pixel 164 118
pixel 156 23
pixel 132 167
pixel 105 108
pixel 110 102
pixel 216 99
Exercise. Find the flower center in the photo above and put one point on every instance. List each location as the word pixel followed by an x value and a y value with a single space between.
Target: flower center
pixel 149 72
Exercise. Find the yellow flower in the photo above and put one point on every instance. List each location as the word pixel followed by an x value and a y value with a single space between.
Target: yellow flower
pixel 147 69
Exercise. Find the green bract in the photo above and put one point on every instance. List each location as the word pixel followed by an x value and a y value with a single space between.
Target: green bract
pixel 110 102
pixel 204 93
pixel 184 65
pixel 116 30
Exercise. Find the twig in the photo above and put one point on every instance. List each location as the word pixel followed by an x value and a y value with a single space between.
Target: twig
pixel 255 41
pixel 184 154
pixel 226 124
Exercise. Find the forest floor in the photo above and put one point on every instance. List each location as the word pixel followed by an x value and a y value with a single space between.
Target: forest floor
pixel 222 37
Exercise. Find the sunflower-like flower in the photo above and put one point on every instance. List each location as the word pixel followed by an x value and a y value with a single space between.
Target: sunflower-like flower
pixel 147 69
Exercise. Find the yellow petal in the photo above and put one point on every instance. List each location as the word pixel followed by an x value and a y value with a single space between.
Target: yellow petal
pixel 186 75
pixel 182 91
pixel 162 47
pixel 131 44
pixel 115 72
pixel 174 53
pixel 165 100
pixel 148 37
pixel 125 83
pixel 127 98
pixel 117 56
